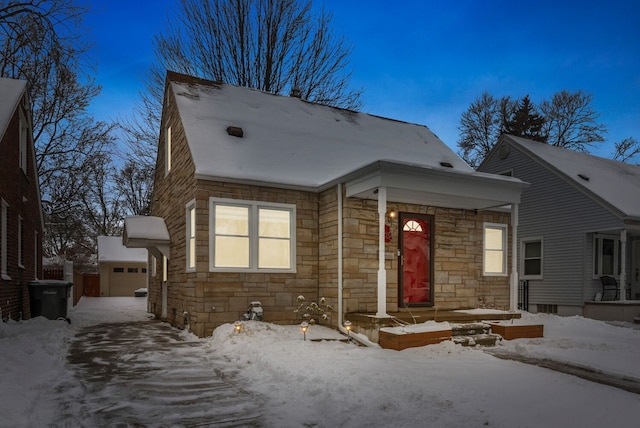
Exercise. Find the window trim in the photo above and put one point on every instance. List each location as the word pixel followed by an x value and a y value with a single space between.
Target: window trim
pixel 20 242
pixel 253 234
pixel 190 236
pixel 597 249
pixel 4 209
pixel 505 250
pixel 523 243
pixel 23 145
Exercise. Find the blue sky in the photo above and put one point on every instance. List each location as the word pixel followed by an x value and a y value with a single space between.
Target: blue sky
pixel 425 61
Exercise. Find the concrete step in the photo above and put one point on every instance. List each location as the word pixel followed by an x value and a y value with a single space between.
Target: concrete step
pixel 482 339
pixel 470 329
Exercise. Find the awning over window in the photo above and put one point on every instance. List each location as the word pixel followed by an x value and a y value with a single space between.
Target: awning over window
pixel 147 232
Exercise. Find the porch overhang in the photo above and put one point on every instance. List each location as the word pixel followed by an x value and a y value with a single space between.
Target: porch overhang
pixel 435 187
pixel 147 232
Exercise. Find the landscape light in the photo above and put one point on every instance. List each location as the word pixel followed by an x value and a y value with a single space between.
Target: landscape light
pixel 348 327
pixel 304 327
pixel 237 326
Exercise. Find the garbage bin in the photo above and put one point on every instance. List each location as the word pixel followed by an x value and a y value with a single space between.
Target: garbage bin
pixel 48 298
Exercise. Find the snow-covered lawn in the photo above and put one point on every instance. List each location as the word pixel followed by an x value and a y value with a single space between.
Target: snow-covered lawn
pixel 333 384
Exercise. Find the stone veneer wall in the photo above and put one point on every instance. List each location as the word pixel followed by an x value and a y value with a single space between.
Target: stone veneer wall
pixel 458 279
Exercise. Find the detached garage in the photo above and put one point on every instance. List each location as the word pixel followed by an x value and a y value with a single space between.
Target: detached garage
pixel 122 270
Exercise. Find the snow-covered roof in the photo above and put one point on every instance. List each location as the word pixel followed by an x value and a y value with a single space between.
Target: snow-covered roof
pixel 616 183
pixel 292 142
pixel 11 91
pixel 111 249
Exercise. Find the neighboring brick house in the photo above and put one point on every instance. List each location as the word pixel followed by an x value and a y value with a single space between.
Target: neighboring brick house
pixel 21 221
pixel 265 197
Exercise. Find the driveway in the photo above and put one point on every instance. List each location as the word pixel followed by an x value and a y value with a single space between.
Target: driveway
pixel 148 374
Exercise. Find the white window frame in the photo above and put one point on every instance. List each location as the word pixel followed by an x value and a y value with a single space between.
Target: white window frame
pixel 3 240
pixel 523 243
pixel 253 207
pixel 20 243
pixel 504 250
pixel 597 255
pixel 167 150
pixel 24 142
pixel 190 240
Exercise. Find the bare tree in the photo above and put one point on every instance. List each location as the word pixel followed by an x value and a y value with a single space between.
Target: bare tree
pixel 41 42
pixel 571 122
pixel 627 150
pixel 274 46
pixel 481 125
pixel 567 120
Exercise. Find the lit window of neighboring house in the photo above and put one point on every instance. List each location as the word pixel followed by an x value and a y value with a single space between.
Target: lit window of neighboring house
pixel 24 142
pixel 191 236
pixel 494 249
pixel 167 149
pixel 20 241
pixel 3 239
pixel 252 236
pixel 605 255
pixel 531 250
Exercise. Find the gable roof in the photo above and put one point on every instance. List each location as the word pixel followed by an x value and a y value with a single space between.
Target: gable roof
pixel 290 141
pixel 615 183
pixel 111 249
pixel 12 91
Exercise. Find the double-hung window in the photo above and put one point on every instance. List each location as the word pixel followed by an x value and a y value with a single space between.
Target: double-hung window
pixel 494 245
pixel 167 150
pixel 191 236
pixel 252 236
pixel 531 256
pixel 605 255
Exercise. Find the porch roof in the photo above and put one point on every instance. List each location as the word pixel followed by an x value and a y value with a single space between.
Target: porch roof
pixel 147 232
pixel 436 187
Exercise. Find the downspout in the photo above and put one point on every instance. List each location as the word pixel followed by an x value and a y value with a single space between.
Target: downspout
pixel 355 336
pixel 513 298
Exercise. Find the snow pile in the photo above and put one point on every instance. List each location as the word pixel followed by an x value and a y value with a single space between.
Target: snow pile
pixel 335 383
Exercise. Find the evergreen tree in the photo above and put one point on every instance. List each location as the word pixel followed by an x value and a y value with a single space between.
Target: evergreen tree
pixel 525 122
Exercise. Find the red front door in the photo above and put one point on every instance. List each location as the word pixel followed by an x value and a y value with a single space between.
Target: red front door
pixel 415 260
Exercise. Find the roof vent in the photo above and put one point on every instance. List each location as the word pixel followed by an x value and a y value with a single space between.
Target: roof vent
pixel 446 165
pixel 235 131
pixel 295 93
pixel 584 177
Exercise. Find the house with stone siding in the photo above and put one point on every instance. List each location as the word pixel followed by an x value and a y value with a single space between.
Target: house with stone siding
pixel 21 221
pixel 262 197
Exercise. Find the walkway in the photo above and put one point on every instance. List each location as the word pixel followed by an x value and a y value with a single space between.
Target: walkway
pixel 590 374
pixel 147 374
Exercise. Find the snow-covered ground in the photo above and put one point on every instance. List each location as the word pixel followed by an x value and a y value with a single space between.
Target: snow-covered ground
pixel 335 384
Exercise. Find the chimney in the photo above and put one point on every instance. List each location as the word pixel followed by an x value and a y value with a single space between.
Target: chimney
pixel 295 92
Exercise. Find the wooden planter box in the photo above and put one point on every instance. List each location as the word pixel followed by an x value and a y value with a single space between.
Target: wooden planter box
pixel 517 331
pixel 411 340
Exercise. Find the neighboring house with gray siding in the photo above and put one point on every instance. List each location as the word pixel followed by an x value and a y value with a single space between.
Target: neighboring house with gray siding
pixel 579 220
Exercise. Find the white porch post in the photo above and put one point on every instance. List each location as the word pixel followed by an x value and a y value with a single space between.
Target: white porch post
pixel 382 273
pixel 513 297
pixel 623 267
